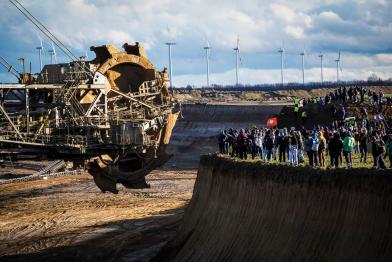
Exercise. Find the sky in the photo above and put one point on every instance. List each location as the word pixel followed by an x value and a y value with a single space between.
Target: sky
pixel 360 29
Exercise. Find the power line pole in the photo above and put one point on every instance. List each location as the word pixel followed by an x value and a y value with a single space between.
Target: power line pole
pixel 170 44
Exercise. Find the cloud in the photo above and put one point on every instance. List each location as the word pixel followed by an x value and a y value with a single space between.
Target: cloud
pixel 295 31
pixel 117 37
pixel 384 58
pixel 284 13
pixel 250 76
pixel 330 17
pixel 361 29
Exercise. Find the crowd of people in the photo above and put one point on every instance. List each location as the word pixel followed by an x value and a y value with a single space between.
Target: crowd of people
pixel 341 97
pixel 352 94
pixel 292 145
pixel 338 142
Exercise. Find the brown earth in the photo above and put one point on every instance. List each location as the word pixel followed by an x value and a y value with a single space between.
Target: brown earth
pixel 242 211
pixel 196 131
pixel 252 97
pixel 323 116
pixel 68 218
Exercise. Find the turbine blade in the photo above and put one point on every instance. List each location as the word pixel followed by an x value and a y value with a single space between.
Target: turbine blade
pixel 53 48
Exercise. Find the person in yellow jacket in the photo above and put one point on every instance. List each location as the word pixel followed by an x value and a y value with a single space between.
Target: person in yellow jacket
pixel 296 101
pixel 296 110
pixel 304 116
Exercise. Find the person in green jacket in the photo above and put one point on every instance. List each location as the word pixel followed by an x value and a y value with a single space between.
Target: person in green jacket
pixel 388 150
pixel 348 145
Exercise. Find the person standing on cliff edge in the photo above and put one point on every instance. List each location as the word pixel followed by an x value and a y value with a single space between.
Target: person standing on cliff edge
pixel 335 147
pixel 348 145
pixel 242 141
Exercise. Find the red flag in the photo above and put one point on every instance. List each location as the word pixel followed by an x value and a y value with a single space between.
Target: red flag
pixel 271 122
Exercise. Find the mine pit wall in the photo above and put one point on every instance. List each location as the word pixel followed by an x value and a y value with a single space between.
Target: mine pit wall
pixel 251 114
pixel 195 132
pixel 257 212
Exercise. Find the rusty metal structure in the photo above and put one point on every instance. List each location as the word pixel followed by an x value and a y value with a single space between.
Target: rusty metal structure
pixel 113 113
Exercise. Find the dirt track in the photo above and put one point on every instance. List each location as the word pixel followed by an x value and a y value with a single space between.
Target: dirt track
pixel 69 219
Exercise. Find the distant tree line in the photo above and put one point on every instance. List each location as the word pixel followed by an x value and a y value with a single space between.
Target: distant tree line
pixel 372 81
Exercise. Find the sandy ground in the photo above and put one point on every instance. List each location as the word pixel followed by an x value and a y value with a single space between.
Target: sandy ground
pixel 68 218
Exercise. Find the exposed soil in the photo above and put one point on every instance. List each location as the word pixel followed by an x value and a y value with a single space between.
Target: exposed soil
pixel 195 133
pixel 323 116
pixel 255 97
pixel 252 211
pixel 68 218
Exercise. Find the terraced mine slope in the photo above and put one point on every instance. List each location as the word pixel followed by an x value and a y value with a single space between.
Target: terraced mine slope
pixel 253 212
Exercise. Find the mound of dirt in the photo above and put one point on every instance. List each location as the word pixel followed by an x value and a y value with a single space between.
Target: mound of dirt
pixel 323 115
pixel 242 211
pixel 209 95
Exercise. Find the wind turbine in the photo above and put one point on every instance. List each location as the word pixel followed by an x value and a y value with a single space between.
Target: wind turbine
pixel 207 48
pixel 40 52
pixel 237 57
pixel 338 66
pixel 282 52
pixel 303 66
pixel 22 63
pixel 54 54
pixel 170 44
pixel 321 67
pixel 51 56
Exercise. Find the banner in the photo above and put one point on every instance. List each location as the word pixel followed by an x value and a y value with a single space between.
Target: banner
pixel 272 122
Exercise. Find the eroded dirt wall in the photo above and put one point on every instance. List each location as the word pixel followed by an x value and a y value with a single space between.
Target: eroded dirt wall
pixel 253 212
pixel 196 130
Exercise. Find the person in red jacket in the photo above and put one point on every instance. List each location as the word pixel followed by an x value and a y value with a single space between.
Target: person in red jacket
pixel 242 141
